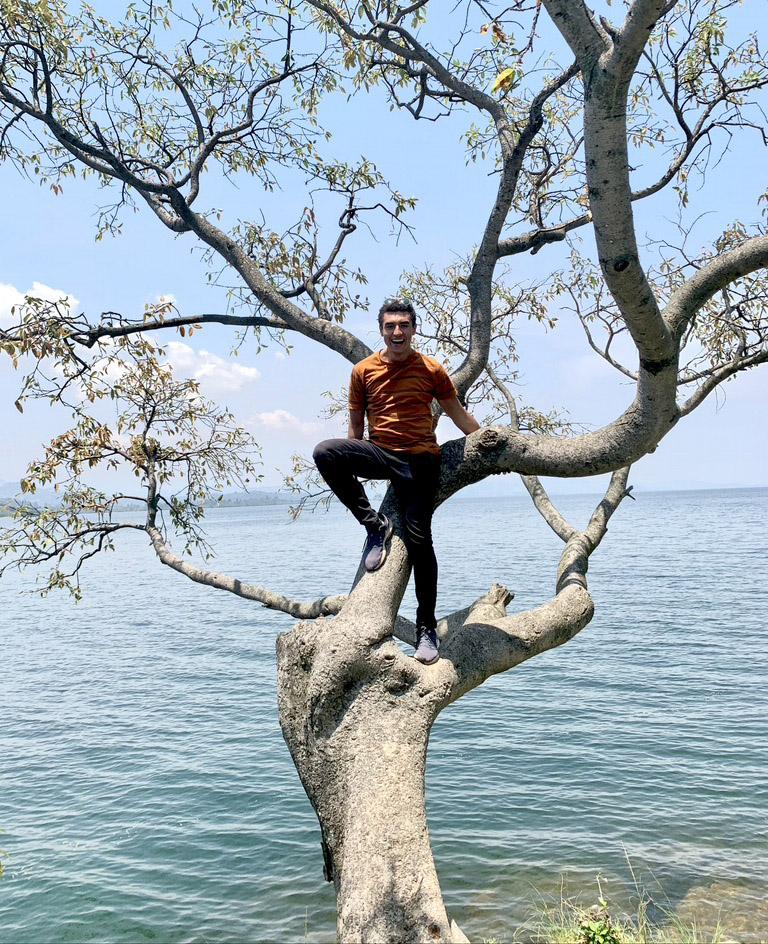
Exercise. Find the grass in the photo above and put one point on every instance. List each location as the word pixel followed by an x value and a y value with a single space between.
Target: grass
pixel 571 922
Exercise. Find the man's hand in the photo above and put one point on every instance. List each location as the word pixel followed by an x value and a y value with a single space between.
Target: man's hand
pixel 464 420
pixel 356 424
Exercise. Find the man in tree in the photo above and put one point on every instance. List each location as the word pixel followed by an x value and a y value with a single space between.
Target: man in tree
pixel 394 388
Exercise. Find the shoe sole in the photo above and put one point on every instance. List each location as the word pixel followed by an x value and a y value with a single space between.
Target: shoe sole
pixel 431 661
pixel 385 550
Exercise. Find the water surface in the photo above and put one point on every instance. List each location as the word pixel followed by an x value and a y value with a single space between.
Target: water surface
pixel 147 794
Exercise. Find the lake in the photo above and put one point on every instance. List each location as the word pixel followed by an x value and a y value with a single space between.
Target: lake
pixel 147 794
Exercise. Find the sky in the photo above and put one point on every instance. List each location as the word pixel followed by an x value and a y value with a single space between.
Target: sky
pixel 49 247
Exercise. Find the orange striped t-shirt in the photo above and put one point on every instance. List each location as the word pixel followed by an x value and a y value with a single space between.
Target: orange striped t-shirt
pixel 398 398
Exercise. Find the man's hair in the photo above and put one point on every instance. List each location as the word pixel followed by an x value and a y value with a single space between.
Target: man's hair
pixel 393 306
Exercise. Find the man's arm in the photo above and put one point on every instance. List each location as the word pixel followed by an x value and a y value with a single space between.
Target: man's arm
pixel 356 424
pixel 464 420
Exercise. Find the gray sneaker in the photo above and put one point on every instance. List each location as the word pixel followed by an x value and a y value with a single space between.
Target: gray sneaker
pixel 427 645
pixel 375 549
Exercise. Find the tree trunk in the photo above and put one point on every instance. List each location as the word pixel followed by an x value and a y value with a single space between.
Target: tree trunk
pixel 356 716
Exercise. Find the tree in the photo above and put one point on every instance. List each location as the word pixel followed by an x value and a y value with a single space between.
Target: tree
pixel 154 103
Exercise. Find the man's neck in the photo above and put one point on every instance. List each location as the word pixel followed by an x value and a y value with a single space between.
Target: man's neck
pixel 396 357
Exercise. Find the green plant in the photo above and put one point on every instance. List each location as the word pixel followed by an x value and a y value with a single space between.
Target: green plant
pixel 568 921
pixel 596 926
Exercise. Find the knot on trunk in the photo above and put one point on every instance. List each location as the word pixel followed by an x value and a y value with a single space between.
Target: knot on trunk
pixel 490 438
pixel 655 367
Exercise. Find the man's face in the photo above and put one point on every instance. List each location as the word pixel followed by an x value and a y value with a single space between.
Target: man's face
pixel 397 331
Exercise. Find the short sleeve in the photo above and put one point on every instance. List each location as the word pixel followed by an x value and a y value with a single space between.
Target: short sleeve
pixel 443 385
pixel 356 389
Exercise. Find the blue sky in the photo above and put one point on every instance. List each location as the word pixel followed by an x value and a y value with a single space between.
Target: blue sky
pixel 49 240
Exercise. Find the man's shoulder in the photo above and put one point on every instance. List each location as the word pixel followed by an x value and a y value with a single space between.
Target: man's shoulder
pixel 363 369
pixel 366 363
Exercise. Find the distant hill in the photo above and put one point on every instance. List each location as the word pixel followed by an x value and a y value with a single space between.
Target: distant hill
pixel 256 497
pixel 10 495
pixel 12 490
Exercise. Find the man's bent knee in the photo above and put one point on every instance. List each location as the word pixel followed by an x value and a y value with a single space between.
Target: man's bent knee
pixel 320 452
pixel 323 451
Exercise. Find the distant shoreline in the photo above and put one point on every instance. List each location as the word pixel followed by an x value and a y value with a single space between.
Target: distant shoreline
pixel 273 499
pixel 9 503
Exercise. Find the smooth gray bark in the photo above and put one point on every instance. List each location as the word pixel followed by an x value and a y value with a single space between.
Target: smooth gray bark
pixel 359 741
pixel 356 714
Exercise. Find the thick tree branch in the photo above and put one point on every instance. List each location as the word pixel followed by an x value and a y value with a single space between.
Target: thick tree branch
pixel 514 146
pixel 586 37
pixel 607 84
pixel 636 432
pixel 482 640
pixel 490 642
pixel 642 17
pixel 723 269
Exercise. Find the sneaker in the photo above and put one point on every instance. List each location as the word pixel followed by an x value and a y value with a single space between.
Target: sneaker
pixel 427 645
pixel 375 550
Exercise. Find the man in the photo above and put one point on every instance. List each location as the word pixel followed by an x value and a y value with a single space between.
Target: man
pixel 394 389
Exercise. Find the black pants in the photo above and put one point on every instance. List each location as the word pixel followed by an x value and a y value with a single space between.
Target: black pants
pixel 414 478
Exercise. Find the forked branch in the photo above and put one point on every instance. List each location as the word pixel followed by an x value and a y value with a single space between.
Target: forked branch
pixel 483 640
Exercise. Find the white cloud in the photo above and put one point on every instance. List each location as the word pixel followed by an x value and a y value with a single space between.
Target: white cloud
pixel 11 296
pixel 216 374
pixel 283 421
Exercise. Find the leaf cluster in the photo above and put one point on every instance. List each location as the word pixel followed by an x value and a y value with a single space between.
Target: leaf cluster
pixel 151 99
pixel 132 419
